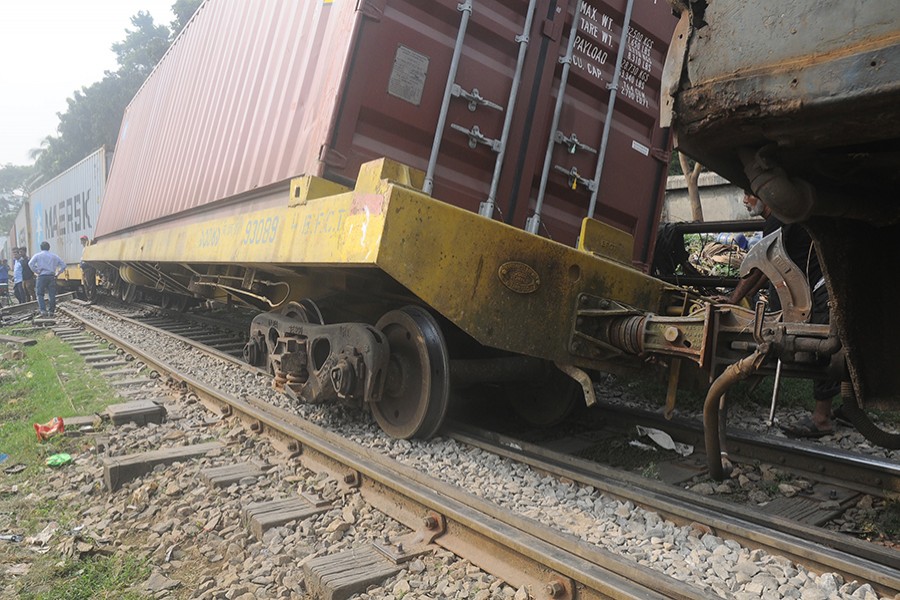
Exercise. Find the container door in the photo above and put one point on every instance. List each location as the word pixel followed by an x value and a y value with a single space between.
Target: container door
pixel 393 96
pixel 631 187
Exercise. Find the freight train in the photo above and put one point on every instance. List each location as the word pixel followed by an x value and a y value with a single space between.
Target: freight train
pixel 421 195
pixel 60 212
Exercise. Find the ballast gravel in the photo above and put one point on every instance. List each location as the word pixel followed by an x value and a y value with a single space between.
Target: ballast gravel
pixel 194 537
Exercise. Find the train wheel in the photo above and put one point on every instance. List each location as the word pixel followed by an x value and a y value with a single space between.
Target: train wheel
pixel 127 291
pixel 180 302
pixel 175 302
pixel 417 386
pixel 305 311
pixel 548 403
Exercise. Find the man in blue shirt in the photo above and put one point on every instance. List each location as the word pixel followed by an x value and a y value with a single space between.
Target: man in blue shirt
pixel 46 267
pixel 4 279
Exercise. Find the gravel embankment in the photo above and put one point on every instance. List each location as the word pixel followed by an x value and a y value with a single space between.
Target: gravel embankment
pixel 174 512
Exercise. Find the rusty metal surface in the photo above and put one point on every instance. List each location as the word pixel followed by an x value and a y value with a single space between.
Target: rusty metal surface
pixel 229 108
pixel 251 95
pixel 319 362
pixel 799 102
pixel 854 257
pixel 821 80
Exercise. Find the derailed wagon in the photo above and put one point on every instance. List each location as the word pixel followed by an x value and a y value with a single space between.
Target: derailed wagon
pixel 376 290
pixel 798 102
pixel 387 201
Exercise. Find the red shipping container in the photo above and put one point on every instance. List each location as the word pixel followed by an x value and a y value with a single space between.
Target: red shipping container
pixel 254 93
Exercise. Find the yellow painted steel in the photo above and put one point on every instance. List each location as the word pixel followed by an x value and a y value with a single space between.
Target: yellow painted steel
pixel 70 277
pixel 72 274
pixel 340 229
pixel 606 241
pixel 505 287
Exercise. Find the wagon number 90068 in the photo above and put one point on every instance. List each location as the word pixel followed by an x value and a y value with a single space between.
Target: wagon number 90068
pixel 260 231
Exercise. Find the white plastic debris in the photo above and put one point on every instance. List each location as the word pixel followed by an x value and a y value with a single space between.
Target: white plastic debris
pixel 642 446
pixel 665 441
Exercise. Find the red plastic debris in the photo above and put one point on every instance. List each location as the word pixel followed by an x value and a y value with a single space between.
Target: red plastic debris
pixel 49 429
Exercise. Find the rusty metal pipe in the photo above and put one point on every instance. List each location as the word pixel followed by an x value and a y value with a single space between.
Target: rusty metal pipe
pixel 791 199
pixel 713 429
pixel 794 200
pixel 823 347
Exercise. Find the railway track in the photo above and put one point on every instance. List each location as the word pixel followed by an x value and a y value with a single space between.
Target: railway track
pixel 868 474
pixel 551 562
pixel 829 480
pixel 818 549
pixel 203 333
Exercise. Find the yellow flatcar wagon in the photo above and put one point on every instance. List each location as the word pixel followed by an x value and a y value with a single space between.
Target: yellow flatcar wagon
pixel 420 194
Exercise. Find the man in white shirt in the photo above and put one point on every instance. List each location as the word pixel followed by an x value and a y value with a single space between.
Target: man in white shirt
pixel 46 267
pixel 18 290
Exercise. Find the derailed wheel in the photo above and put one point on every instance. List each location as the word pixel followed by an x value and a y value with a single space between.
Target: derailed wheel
pixel 548 402
pixel 304 311
pixel 417 383
pixel 127 292
pixel 175 302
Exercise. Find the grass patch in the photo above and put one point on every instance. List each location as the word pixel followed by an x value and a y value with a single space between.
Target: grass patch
pixel 692 391
pixel 617 451
pixel 52 380
pixel 91 578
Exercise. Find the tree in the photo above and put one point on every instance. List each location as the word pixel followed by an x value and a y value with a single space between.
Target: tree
pixel 94 113
pixel 184 10
pixel 142 47
pixel 14 183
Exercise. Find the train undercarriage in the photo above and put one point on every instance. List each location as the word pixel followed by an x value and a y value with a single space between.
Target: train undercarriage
pixel 384 296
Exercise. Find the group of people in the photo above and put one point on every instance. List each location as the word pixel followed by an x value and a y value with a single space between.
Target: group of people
pixel 34 277
pixel 23 276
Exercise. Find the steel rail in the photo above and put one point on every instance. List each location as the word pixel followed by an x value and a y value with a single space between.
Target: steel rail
pixel 818 549
pixel 196 345
pixel 237 328
pixel 519 550
pixel 830 465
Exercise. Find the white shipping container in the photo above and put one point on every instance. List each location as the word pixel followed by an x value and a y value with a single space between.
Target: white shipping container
pixel 66 207
pixel 22 228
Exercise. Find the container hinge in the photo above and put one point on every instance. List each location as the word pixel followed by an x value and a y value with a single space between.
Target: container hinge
pixel 476 137
pixel 663 156
pixel 552 28
pixel 332 157
pixel 572 143
pixel 574 178
pixel 372 9
pixel 474 98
